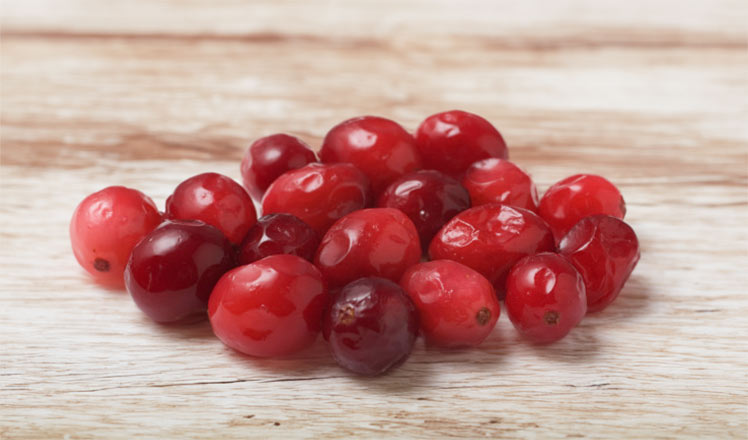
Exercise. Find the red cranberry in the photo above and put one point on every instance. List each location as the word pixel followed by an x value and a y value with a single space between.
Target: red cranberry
pixel 216 200
pixel 457 305
pixel 371 326
pixel 106 226
pixel 500 181
pixel 451 141
pixel 379 147
pixel 278 234
pixel 318 194
pixel 172 271
pixel 272 307
pixel 269 157
pixel 380 242
pixel 545 297
pixel 490 239
pixel 576 197
pixel 429 198
pixel 605 251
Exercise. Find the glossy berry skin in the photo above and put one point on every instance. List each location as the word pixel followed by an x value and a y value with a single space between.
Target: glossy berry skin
pixel 272 307
pixel 490 239
pixel 371 326
pixel 457 305
pixel 172 271
pixel 545 297
pixel 278 234
pixel 605 251
pixel 216 200
pixel 318 194
pixel 452 141
pixel 429 198
pixel 500 181
pixel 379 242
pixel 379 147
pixel 105 227
pixel 576 197
pixel 269 157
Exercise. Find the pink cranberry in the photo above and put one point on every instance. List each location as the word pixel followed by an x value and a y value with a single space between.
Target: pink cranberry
pixel 545 297
pixel 490 239
pixel 216 200
pixel 172 271
pixel 318 194
pixel 371 326
pixel 106 226
pixel 272 307
pixel 576 197
pixel 379 242
pixel 429 198
pixel 500 181
pixel 269 157
pixel 451 141
pixel 605 251
pixel 379 147
pixel 457 305
pixel 278 234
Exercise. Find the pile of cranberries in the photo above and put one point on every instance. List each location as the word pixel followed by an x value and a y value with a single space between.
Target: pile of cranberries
pixel 386 236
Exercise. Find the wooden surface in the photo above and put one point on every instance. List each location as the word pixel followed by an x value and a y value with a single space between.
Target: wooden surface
pixel 651 94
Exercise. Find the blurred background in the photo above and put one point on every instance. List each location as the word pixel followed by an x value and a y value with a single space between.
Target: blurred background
pixel 199 79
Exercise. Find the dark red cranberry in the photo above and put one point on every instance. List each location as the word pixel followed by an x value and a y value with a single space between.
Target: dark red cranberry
pixel 172 271
pixel 269 157
pixel 451 141
pixel 605 251
pixel 216 200
pixel 457 305
pixel 106 226
pixel 272 307
pixel 500 181
pixel 379 147
pixel 545 297
pixel 380 242
pixel 371 326
pixel 278 234
pixel 490 239
pixel 576 197
pixel 429 198
pixel 318 194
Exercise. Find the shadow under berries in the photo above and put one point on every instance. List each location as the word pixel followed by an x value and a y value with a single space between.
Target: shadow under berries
pixel 310 361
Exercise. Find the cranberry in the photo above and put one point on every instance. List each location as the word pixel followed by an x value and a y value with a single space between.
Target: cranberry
pixel 172 271
pixel 272 307
pixel 379 242
pixel 318 194
pixel 490 239
pixel 457 305
pixel 269 157
pixel 278 234
pixel 605 251
pixel 371 326
pixel 576 197
pixel 379 147
pixel 216 200
pixel 545 297
pixel 106 226
pixel 451 141
pixel 500 181
pixel 429 198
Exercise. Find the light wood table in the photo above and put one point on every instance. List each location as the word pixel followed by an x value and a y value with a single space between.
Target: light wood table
pixel 651 94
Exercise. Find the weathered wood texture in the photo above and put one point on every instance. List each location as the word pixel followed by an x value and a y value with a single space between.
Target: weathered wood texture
pixel 146 93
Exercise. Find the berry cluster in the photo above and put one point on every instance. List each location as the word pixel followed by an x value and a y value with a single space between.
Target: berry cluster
pixel 388 235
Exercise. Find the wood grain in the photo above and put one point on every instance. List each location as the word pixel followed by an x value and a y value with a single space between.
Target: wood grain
pixel 144 93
